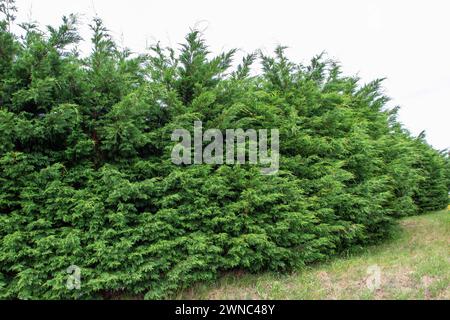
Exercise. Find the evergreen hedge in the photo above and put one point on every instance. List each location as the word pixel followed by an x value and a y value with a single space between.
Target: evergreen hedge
pixel 86 177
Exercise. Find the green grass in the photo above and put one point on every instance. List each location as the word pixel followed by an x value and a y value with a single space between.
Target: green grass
pixel 415 264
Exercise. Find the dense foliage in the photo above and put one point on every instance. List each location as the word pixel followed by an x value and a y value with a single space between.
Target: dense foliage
pixel 86 177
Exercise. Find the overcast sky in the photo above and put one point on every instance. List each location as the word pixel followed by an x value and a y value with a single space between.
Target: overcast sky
pixel 408 42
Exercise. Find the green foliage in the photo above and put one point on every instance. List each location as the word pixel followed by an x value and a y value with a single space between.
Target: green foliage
pixel 86 177
pixel 432 191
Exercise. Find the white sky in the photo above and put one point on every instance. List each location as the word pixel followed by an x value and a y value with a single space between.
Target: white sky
pixel 406 41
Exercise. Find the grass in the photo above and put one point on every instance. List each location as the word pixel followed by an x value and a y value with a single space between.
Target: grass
pixel 415 264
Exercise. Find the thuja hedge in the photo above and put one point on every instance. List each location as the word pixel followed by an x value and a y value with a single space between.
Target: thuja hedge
pixel 86 177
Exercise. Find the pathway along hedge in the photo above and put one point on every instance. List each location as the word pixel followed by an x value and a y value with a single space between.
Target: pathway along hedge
pixel 86 177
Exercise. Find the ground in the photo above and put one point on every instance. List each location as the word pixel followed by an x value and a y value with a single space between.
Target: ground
pixel 414 264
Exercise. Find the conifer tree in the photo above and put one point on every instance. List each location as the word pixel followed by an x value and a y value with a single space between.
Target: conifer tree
pixel 86 177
